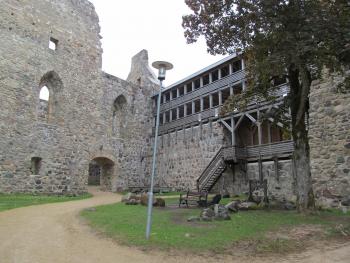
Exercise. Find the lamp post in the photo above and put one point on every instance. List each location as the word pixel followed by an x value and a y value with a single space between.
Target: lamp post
pixel 162 67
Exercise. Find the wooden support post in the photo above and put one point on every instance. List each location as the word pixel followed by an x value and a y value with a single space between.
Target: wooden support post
pixel 220 97
pixel 269 132
pixel 184 133
pixel 230 69
pixel 276 169
pixel 202 103
pixel 210 128
pixel 200 131
pixel 193 107
pixel 192 133
pixel 233 132
pixel 261 176
pixel 211 101
pixel 210 77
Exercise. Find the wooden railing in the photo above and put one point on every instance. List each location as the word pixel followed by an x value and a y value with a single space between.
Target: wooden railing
pixel 257 152
pixel 224 82
pixel 232 153
pixel 216 163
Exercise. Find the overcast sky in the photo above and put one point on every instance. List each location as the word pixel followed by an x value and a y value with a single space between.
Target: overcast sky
pixel 132 25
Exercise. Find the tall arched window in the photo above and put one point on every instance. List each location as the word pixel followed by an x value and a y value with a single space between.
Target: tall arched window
pixel 50 98
pixel 119 115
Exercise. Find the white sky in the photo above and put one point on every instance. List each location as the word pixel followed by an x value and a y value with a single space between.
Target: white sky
pixel 128 26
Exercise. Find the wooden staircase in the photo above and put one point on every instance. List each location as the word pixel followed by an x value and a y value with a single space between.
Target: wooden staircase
pixel 212 172
pixel 241 156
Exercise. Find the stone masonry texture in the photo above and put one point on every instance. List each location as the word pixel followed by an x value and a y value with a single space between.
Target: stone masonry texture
pixel 83 122
pixel 93 118
pixel 329 135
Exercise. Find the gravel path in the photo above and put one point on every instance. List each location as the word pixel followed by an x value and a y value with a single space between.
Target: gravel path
pixel 54 233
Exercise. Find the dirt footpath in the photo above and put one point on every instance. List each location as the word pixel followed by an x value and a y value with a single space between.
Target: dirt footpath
pixel 54 233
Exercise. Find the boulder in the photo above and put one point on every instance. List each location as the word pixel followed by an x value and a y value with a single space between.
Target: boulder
pixel 128 197
pixel 144 200
pixel 345 201
pixel 160 202
pixel 132 202
pixel 207 214
pixel 244 206
pixel 193 219
pixel 233 206
pixel 221 213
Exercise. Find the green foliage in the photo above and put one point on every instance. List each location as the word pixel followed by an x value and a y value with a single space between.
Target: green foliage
pixel 11 201
pixel 170 228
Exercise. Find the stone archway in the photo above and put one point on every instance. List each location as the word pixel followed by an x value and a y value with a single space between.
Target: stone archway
pixel 101 172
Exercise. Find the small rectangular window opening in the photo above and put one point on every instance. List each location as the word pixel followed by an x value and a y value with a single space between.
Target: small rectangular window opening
pixel 174 114
pixel 215 75
pixel 197 106
pixel 189 87
pixel 188 108
pixel 225 94
pixel 181 111
pixel 215 99
pixel 35 165
pixel 205 80
pixel 237 89
pixel 197 84
pixel 174 93
pixel 206 103
pixel 167 117
pixel 53 43
pixel 181 91
pixel 167 96
pixel 237 66
pixel 225 71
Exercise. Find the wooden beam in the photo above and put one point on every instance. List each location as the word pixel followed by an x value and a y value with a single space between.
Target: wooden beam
pixel 226 125
pixel 239 122
pixel 278 123
pixel 251 118
pixel 233 132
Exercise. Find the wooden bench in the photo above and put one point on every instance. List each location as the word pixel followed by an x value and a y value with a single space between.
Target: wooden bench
pixel 193 198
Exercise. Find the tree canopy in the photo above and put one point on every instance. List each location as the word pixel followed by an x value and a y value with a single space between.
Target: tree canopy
pixel 292 39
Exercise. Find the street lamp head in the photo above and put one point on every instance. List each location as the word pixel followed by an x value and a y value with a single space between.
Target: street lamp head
pixel 162 67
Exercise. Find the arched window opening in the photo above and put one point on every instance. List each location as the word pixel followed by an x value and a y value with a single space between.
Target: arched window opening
pixel 44 94
pixel 50 98
pixel 44 97
pixel 119 115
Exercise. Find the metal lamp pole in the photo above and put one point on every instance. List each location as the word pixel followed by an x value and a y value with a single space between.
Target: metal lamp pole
pixel 162 67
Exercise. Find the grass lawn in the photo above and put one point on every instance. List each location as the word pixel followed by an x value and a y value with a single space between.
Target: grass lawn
pixel 171 229
pixel 11 201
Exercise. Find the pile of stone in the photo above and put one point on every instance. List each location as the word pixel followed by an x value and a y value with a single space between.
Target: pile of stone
pixel 216 212
pixel 141 199
pixel 222 212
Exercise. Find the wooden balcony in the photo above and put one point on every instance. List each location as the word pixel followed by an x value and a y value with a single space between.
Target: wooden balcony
pixel 264 151
pixel 210 88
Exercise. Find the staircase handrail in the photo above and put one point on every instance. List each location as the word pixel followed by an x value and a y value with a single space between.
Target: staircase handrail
pixel 218 156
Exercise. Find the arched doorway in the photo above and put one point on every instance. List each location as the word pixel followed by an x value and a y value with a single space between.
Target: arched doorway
pixel 101 171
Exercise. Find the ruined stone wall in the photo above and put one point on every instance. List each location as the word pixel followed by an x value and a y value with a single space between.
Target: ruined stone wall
pixel 182 156
pixel 79 126
pixel 329 137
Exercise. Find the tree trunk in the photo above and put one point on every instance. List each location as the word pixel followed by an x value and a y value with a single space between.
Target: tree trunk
pixel 305 198
pixel 300 82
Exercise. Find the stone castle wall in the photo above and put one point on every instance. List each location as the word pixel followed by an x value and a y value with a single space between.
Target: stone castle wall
pixel 280 186
pixel 183 155
pixel 329 134
pixel 82 123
